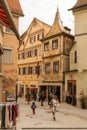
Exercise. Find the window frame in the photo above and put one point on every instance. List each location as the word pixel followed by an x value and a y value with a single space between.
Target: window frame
pixel 46 46
pixel 55 66
pixel 10 57
pixel 75 57
pixel 54 44
pixel 47 67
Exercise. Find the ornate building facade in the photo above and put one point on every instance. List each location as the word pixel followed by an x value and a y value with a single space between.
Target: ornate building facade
pixel 30 57
pixel 55 56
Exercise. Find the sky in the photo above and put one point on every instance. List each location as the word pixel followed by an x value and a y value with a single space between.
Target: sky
pixel 45 11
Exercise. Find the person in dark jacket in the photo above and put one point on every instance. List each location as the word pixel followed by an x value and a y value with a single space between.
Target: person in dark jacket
pixel 33 107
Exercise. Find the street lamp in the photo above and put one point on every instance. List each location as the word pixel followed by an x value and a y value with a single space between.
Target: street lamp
pixel 16 90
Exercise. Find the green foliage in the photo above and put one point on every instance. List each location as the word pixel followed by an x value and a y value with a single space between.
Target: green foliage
pixel 83 101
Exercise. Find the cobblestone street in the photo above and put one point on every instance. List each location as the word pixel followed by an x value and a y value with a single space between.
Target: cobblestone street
pixel 67 117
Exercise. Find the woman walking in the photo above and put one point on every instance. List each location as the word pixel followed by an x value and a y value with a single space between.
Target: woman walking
pixel 53 104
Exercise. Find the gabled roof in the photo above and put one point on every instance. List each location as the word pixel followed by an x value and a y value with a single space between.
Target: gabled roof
pixel 34 19
pixel 80 3
pixel 41 27
pixel 15 7
pixel 57 26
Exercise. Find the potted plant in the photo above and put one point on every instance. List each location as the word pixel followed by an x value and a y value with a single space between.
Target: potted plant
pixel 83 101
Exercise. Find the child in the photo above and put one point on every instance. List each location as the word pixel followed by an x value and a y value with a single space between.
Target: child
pixel 53 104
pixel 33 107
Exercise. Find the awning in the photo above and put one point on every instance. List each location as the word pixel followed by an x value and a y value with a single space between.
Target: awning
pixel 6 18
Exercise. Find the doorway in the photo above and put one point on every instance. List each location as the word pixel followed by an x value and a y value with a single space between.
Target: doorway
pixel 72 91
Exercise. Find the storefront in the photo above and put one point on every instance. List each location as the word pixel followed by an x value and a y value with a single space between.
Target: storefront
pixel 55 90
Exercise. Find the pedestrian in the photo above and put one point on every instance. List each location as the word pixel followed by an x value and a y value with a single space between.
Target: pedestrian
pixel 50 97
pixel 42 97
pixel 33 107
pixel 39 96
pixel 53 104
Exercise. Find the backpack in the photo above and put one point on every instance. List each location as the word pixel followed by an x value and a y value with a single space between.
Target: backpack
pixel 33 106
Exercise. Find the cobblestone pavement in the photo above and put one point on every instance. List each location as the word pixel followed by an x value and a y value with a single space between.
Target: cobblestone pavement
pixel 67 117
pixel 54 129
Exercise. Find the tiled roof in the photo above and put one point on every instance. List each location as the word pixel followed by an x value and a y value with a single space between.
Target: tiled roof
pixel 80 3
pixel 6 18
pixel 15 7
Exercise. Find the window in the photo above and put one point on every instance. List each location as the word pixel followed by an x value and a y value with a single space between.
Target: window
pixel 19 56
pixel 23 55
pixel 38 69
pixel 46 46
pixel 39 51
pixel 55 44
pixel 29 70
pixel 29 54
pixel 20 71
pixel 7 55
pixel 32 39
pixel 34 53
pixel 26 55
pixel 55 66
pixel 47 68
pixel 26 70
pixel 7 30
pixel 40 36
pixel 33 70
pixel 75 57
pixel 23 70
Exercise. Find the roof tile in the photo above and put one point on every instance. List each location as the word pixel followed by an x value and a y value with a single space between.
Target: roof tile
pixel 80 3
pixel 15 7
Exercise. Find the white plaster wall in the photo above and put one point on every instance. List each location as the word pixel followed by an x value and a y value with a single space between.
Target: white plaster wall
pixel 81 22
pixel 82 52
pixel 73 65
pixel 81 83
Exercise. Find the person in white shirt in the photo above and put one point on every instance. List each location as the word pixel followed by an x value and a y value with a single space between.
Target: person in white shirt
pixel 53 104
